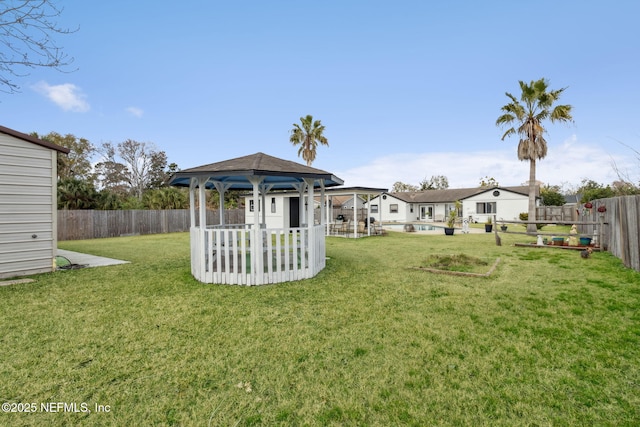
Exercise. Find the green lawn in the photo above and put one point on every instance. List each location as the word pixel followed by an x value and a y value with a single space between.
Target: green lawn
pixel 548 339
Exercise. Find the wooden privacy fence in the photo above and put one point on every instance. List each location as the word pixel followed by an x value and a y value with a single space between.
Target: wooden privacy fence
pixel 621 236
pixel 96 224
pixel 557 213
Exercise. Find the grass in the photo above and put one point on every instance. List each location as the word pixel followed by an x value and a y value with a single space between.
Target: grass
pixel 548 339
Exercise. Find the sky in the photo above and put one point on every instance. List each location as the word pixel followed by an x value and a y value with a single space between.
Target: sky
pixel 406 90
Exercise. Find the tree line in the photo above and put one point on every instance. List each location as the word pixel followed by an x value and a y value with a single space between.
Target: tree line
pixel 127 175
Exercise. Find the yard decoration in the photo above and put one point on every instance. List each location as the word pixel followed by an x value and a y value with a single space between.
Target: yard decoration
pixel 573 238
pixel 488 226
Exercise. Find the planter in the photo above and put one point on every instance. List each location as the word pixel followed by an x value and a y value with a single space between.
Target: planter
pixel 488 228
pixel 585 241
pixel 503 227
pixel 449 231
pixel 558 241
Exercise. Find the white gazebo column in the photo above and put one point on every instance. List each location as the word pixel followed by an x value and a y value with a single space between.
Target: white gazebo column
pixel 193 184
pixel 257 261
pixel 264 189
pixel 222 188
pixel 323 218
pixel 355 216
pixel 202 200
pixel 311 238
pixel 368 215
pixel 300 187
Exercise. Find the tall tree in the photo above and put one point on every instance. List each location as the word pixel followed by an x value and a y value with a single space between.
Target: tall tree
pixel 76 164
pixel 110 173
pixel 401 187
pixel 27 33
pixel 488 182
pixel 525 117
pixel 141 167
pixel 439 182
pixel 308 134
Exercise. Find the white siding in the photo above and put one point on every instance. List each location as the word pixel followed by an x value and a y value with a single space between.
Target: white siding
pixel 509 205
pixel 384 213
pixel 27 207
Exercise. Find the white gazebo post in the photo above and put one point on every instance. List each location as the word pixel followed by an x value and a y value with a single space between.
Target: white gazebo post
pixel 310 230
pixel 193 183
pixel 355 216
pixel 222 188
pixel 323 219
pixel 257 263
pixel 368 215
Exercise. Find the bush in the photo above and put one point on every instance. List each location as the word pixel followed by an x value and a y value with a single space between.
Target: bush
pixel 524 216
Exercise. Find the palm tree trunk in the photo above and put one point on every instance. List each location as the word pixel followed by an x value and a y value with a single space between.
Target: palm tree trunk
pixel 531 228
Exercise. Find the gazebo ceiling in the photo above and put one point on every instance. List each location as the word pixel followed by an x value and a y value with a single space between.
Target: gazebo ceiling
pixel 236 173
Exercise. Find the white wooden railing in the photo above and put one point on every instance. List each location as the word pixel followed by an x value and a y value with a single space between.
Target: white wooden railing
pixel 243 255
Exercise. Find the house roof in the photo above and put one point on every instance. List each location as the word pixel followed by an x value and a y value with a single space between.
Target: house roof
pixel 278 173
pixel 34 140
pixel 451 195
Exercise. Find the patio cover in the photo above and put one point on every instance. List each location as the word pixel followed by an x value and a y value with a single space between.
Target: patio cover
pixel 354 192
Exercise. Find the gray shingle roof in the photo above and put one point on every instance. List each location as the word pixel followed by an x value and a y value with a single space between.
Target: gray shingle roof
pixel 451 195
pixel 279 173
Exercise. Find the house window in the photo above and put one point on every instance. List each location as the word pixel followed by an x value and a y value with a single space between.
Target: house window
pixel 486 208
pixel 411 207
pixel 251 206
pixel 374 208
pixel 393 208
pixel 273 205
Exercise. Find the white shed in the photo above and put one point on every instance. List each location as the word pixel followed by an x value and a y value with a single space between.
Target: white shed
pixel 28 204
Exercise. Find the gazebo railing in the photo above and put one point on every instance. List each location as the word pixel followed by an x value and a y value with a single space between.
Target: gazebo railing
pixel 240 254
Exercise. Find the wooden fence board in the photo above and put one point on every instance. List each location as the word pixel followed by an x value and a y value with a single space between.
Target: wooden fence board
pixel 97 224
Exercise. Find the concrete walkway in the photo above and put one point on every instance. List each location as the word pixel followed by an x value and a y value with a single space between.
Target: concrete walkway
pixel 88 260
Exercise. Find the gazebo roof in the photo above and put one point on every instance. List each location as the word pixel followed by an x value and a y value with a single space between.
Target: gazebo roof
pixel 278 173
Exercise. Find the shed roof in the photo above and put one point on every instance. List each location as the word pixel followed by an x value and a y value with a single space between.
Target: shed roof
pixel 279 173
pixel 34 140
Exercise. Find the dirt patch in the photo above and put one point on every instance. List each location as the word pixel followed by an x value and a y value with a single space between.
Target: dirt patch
pixel 458 265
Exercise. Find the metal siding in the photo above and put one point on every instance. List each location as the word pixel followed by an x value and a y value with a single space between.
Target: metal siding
pixel 18 236
pixel 27 207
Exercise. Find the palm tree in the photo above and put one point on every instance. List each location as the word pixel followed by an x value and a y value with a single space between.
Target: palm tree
pixel 308 136
pixel 528 113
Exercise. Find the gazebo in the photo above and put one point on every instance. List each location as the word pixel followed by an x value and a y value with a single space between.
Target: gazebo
pixel 251 253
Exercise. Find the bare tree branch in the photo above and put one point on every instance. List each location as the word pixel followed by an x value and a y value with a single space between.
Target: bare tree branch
pixel 27 31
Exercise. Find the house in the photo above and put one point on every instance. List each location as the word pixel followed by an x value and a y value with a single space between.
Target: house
pixel 28 204
pixel 434 205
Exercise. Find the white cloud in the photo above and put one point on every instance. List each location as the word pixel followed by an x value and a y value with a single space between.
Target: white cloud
pixel 566 165
pixel 135 111
pixel 67 96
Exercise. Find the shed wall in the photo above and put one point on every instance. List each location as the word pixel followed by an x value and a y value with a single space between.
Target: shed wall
pixel 27 207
